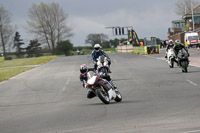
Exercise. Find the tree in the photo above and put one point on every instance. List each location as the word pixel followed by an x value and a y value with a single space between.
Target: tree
pixel 49 22
pixel 96 38
pixel 18 45
pixel 64 47
pixel 6 29
pixel 184 6
pixel 113 43
pixel 106 44
pixel 33 49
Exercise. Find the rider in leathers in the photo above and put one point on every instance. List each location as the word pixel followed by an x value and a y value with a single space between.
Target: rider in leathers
pixel 83 78
pixel 178 46
pixel 96 53
pixel 170 45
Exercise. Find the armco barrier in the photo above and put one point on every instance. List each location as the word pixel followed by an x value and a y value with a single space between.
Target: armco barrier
pixel 153 49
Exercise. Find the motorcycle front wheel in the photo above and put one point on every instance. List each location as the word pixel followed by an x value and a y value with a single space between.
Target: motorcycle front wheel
pixel 184 66
pixel 103 95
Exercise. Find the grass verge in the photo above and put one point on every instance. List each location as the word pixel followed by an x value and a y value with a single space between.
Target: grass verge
pixel 26 61
pixel 10 68
pixel 6 73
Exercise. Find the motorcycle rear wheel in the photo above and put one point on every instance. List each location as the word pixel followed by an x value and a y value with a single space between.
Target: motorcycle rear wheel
pixel 118 97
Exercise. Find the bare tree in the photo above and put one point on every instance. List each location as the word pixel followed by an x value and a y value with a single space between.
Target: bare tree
pixel 96 38
pixel 6 29
pixel 184 6
pixel 49 22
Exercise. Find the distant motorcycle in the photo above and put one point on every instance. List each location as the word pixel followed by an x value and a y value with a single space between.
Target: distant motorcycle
pixel 102 88
pixel 170 57
pixel 183 60
pixel 103 67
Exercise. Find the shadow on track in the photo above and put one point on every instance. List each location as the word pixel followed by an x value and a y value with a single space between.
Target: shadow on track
pixel 112 103
pixel 121 79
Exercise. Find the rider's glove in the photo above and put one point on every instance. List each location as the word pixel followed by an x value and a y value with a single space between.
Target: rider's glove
pixel 188 55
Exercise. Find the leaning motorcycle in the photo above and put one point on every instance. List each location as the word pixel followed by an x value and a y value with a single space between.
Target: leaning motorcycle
pixel 102 88
pixel 170 57
pixel 183 60
pixel 103 67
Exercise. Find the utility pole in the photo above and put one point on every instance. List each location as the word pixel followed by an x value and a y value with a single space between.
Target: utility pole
pixel 192 14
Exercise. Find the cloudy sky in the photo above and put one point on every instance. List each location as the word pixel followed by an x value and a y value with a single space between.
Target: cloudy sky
pixel 148 17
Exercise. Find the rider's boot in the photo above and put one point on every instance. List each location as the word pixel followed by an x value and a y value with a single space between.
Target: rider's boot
pixel 90 94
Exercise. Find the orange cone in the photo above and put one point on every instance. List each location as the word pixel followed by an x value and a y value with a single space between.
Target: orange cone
pixel 156 50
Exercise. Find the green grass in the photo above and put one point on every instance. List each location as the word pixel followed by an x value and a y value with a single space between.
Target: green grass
pixel 6 73
pixel 10 68
pixel 26 61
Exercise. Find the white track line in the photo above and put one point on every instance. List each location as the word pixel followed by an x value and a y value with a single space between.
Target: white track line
pixel 191 82
pixel 65 86
pixel 195 131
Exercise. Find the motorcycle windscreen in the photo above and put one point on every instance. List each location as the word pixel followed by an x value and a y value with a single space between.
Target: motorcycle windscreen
pixel 102 59
pixel 91 77
pixel 182 54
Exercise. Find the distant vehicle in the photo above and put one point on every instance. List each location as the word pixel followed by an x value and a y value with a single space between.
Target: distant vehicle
pixel 191 39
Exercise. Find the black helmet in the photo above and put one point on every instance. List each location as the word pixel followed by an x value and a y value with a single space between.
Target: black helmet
pixel 83 69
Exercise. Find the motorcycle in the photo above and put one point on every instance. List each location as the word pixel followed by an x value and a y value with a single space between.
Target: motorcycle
pixel 102 88
pixel 103 67
pixel 170 57
pixel 183 60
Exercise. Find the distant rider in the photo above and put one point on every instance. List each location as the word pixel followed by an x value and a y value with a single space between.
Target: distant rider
pixel 170 45
pixel 96 53
pixel 178 46
pixel 83 78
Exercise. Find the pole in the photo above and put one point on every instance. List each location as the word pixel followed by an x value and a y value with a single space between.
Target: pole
pixel 192 16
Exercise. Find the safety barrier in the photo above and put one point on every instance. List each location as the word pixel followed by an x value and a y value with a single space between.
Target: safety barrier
pixel 108 51
pixel 125 49
pixel 140 50
pixel 153 49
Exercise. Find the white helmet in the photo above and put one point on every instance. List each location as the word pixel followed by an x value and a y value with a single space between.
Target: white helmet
pixel 97 47
pixel 170 41
pixel 177 41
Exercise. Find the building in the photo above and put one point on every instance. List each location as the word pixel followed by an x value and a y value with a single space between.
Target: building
pixel 179 27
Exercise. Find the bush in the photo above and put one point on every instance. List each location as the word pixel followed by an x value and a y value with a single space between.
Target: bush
pixel 64 47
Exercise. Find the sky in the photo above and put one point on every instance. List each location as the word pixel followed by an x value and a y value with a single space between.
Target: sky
pixel 147 17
